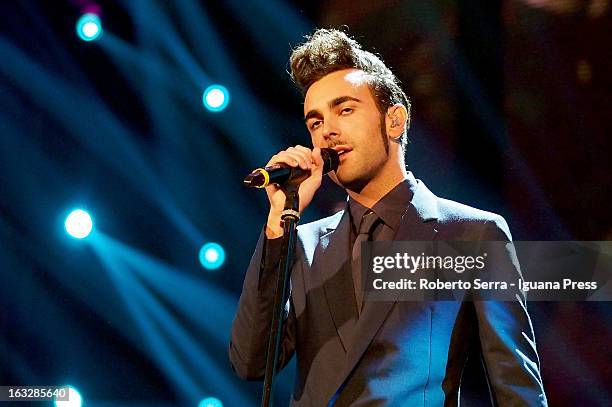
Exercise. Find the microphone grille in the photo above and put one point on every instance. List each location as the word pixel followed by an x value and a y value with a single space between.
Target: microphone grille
pixel 330 160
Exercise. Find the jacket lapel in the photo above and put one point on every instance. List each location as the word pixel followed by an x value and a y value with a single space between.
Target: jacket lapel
pixel 417 225
pixel 330 264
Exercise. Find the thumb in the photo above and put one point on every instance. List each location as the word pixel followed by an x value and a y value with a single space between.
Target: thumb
pixel 318 160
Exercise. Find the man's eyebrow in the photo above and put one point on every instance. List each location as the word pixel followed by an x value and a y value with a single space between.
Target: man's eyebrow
pixel 311 114
pixel 333 103
pixel 339 100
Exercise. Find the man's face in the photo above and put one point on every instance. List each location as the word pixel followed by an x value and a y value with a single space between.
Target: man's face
pixel 341 113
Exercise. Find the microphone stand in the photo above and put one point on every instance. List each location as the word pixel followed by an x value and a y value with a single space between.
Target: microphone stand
pixel 290 217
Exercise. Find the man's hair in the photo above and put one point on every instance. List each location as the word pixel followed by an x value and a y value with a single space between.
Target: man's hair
pixel 330 50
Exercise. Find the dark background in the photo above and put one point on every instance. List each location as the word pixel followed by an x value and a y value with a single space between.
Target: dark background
pixel 510 114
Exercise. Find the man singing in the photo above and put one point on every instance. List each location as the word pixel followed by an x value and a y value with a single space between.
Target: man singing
pixel 351 350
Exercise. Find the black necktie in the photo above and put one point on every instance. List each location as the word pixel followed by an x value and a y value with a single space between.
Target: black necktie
pixel 366 227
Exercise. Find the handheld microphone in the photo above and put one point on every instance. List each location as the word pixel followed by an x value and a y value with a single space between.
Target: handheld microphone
pixel 282 173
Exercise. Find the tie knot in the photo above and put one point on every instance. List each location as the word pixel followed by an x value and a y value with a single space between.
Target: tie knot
pixel 368 221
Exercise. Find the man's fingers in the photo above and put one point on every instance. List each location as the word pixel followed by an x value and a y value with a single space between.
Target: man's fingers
pixel 302 154
pixel 285 158
pixel 297 156
pixel 305 150
pixel 293 157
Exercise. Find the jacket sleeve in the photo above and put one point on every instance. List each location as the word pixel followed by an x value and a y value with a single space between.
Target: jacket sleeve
pixel 506 335
pixel 251 326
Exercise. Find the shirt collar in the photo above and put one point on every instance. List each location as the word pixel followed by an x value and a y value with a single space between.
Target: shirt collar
pixel 390 208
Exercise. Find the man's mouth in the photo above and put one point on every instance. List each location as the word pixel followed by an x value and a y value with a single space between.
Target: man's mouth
pixel 343 151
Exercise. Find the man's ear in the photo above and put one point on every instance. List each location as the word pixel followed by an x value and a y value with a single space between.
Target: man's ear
pixel 395 120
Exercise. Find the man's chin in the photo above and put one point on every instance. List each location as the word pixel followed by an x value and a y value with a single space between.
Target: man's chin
pixel 347 182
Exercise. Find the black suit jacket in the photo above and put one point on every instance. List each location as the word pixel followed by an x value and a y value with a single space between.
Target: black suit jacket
pixel 399 353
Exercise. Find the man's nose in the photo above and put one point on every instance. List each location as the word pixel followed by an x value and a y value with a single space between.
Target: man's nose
pixel 330 129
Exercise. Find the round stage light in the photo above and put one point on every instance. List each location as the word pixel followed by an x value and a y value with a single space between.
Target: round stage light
pixel 210 402
pixel 212 256
pixel 74 399
pixel 78 224
pixel 215 98
pixel 89 27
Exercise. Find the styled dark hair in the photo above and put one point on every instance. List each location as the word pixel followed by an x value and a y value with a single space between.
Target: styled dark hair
pixel 330 50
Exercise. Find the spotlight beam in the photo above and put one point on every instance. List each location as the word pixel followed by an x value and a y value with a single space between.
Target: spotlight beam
pixel 165 336
pixel 168 281
pixel 95 126
pixel 148 13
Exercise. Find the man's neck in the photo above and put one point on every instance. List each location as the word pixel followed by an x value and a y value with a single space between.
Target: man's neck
pixel 379 186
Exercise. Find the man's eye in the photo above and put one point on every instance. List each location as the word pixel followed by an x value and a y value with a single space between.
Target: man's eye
pixel 315 124
pixel 347 110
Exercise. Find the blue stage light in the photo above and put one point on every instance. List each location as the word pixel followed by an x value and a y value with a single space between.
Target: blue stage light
pixel 212 256
pixel 89 27
pixel 78 224
pixel 215 98
pixel 210 402
pixel 74 399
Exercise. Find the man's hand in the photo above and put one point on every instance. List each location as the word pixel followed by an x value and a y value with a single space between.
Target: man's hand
pixel 306 159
